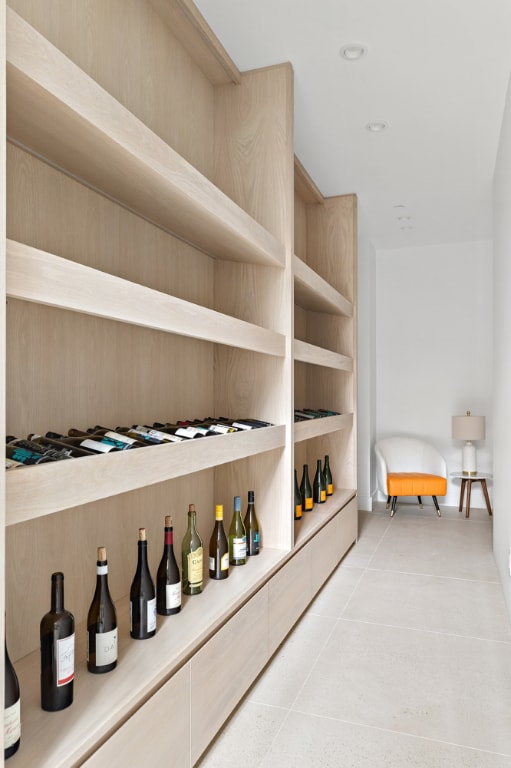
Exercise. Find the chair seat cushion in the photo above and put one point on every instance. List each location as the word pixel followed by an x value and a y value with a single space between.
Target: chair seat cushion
pixel 415 484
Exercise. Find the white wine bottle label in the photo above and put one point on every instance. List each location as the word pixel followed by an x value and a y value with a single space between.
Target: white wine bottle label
pixel 239 548
pixel 120 438
pixel 224 562
pixel 12 724
pixel 151 615
pixel 173 595
pixel 65 656
pixel 190 432
pixel 106 647
pixel 94 445
pixel 195 567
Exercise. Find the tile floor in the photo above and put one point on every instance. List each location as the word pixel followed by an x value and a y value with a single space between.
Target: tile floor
pixel 402 660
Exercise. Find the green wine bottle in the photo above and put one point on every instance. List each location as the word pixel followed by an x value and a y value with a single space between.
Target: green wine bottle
pixel 218 547
pixel 192 557
pixel 237 536
pixel 328 477
pixel 252 527
pixel 319 485
pixel 298 500
pixel 306 490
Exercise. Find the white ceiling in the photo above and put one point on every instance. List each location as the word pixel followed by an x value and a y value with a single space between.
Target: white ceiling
pixel 436 71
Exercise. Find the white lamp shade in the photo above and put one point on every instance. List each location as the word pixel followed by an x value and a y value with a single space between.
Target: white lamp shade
pixel 468 427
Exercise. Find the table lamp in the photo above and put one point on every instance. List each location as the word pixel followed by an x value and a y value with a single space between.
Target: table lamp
pixel 468 428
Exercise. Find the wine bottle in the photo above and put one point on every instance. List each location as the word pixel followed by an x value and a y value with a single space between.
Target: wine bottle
pixel 57 632
pixel 101 623
pixel 12 719
pixel 319 485
pixel 328 477
pixel 192 556
pixel 142 595
pixel 218 547
pixel 252 527
pixel 168 579
pixel 298 500
pixel 306 490
pixel 237 536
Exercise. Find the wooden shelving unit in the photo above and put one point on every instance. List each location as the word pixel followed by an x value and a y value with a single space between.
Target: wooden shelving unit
pixel 167 257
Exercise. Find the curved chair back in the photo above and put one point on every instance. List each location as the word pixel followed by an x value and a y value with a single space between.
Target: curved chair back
pixel 406 454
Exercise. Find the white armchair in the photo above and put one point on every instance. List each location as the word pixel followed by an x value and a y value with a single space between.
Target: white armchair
pixel 407 466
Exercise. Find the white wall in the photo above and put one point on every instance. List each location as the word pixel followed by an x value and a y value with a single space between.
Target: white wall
pixel 502 357
pixel 366 364
pixel 434 347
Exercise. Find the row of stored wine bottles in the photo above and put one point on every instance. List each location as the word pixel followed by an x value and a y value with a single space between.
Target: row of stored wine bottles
pixel 147 599
pixel 307 494
pixel 304 414
pixel 54 446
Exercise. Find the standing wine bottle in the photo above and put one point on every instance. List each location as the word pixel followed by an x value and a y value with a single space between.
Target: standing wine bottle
pixel 57 632
pixel 218 547
pixel 12 720
pixel 298 500
pixel 328 477
pixel 252 527
pixel 319 485
pixel 192 557
pixel 237 536
pixel 306 490
pixel 101 623
pixel 168 579
pixel 142 595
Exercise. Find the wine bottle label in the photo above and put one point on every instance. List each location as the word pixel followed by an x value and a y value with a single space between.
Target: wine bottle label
pixel 11 464
pixel 224 562
pixel 12 724
pixel 106 647
pixel 330 489
pixel 65 657
pixel 190 432
pixel 298 510
pixel 102 570
pixel 151 615
pixel 163 436
pixel 221 429
pixel 117 438
pixel 240 425
pixel 323 495
pixel 95 445
pixel 308 503
pixel 239 548
pixel 195 567
pixel 173 595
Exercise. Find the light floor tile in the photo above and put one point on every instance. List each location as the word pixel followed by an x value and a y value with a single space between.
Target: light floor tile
pixel 284 676
pixel 335 595
pixel 456 606
pixel 315 742
pixel 440 547
pixel 371 524
pixel 360 555
pixel 425 684
pixel 245 739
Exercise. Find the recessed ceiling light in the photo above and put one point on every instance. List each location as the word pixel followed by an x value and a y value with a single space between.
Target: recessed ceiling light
pixel 377 126
pixel 404 218
pixel 353 51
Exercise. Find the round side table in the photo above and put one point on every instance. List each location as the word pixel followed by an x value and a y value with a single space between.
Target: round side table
pixel 466 481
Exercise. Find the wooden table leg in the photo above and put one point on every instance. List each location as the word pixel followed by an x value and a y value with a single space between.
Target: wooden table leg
pixel 486 497
pixel 462 492
pixel 469 489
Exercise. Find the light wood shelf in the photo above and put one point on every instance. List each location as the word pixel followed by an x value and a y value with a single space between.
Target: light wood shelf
pixel 42 490
pixel 313 521
pixel 313 293
pixel 62 115
pixel 103 702
pixel 44 278
pixel 310 353
pixel 150 265
pixel 307 430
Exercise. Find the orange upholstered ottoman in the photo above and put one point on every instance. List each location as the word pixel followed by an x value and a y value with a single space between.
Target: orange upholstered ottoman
pixel 415 484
